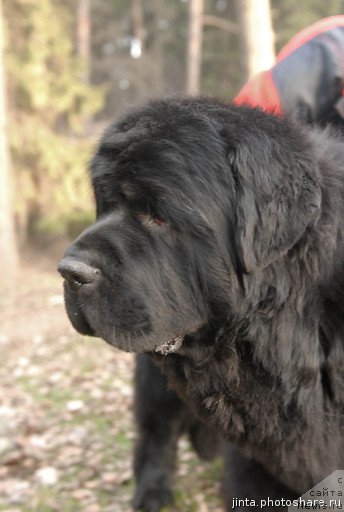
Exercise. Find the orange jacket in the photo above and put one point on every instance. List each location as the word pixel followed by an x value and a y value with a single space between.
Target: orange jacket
pixel 308 76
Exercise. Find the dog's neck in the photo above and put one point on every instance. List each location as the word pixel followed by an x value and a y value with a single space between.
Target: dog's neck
pixel 249 388
pixel 269 370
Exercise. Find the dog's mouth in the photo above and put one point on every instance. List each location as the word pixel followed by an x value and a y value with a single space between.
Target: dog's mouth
pixel 170 346
pixel 80 322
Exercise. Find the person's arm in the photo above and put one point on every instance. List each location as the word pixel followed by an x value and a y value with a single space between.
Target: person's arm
pixel 309 80
pixel 307 77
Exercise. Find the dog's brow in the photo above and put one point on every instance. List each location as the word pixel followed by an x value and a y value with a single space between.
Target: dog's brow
pixel 129 190
pixel 117 138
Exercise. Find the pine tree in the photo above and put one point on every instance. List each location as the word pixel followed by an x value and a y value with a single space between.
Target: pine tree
pixel 8 246
pixel 48 103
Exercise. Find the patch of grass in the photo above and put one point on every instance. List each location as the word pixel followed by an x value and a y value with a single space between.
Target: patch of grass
pixel 104 498
pixel 213 471
pixel 100 423
pixel 55 399
pixel 183 501
pixel 60 396
pixel 122 441
pixel 71 473
pixel 44 495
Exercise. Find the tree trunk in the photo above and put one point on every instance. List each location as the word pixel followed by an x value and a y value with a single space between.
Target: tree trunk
pixel 257 34
pixel 83 37
pixel 137 42
pixel 158 50
pixel 8 247
pixel 194 52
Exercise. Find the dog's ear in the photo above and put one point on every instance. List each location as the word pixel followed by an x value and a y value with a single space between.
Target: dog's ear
pixel 278 197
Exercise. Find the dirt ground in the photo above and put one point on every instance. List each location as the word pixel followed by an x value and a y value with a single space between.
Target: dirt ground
pixel 66 428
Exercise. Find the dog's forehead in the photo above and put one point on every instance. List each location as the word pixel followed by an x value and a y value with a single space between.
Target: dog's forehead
pixel 146 155
pixel 177 125
pixel 125 131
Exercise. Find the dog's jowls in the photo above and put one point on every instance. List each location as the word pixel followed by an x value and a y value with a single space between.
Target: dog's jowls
pixel 222 227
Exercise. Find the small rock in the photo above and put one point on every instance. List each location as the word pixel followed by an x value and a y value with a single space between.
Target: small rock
pixel 4 472
pixel 92 484
pixel 5 445
pixel 38 441
pixel 75 405
pixel 93 508
pixel 18 372
pixel 52 505
pixel 4 339
pixel 47 476
pixel 33 371
pixel 16 490
pixel 37 339
pixel 125 476
pixel 126 391
pixel 82 494
pixel 77 435
pixel 42 350
pixel 55 377
pixel 23 361
pixel 110 408
pixel 13 457
pixel 110 478
pixel 96 393
pixel 87 474
pixel 68 456
pixel 29 463
pixel 6 412
pixel 114 507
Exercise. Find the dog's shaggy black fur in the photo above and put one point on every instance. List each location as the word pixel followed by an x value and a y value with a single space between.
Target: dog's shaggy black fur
pixel 219 250
pixel 161 418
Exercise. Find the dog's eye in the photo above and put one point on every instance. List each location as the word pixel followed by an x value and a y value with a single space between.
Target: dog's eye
pixel 158 220
pixel 151 218
pixel 155 217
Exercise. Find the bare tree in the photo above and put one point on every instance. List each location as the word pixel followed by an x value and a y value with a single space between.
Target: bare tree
pixel 8 247
pixel 220 23
pixel 194 52
pixel 83 37
pixel 257 34
pixel 138 29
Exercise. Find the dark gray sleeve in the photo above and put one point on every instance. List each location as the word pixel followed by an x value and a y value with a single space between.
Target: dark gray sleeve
pixel 310 80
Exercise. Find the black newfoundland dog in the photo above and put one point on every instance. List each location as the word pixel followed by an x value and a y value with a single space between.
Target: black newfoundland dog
pixel 219 251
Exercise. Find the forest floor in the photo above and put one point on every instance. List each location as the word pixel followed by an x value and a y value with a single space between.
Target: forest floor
pixel 66 425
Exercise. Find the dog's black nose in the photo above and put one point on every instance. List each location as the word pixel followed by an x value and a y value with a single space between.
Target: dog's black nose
pixel 77 272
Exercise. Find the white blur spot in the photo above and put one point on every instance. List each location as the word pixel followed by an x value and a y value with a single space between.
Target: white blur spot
pixel 56 300
pixel 75 405
pixel 46 476
pixel 135 48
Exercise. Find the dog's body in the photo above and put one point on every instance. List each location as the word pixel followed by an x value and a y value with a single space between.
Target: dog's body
pixel 220 250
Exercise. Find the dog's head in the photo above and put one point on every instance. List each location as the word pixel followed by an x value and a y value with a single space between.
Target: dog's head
pixel 190 196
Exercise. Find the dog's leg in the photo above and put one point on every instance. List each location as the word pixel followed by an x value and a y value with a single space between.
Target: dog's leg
pixel 159 416
pixel 248 486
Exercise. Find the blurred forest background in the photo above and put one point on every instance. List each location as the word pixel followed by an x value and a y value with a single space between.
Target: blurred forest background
pixel 72 66
pixel 67 68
